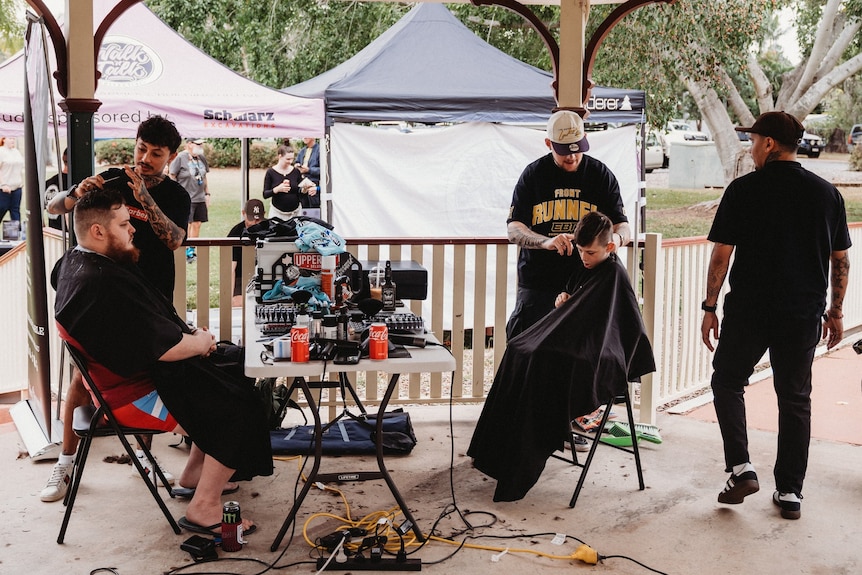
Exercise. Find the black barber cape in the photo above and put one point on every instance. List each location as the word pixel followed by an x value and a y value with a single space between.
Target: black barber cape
pixel 564 366
pixel 125 324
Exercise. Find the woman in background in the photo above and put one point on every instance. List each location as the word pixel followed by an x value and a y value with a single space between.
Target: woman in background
pixel 281 183
pixel 11 179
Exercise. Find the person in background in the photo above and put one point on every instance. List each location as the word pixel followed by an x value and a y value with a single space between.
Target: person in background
pixel 252 214
pixel 308 164
pixel 281 183
pixel 190 169
pixel 151 367
pixel 159 209
pixel 786 229
pixel 54 185
pixel 11 179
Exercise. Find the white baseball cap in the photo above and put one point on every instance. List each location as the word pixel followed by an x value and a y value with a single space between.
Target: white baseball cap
pixel 566 133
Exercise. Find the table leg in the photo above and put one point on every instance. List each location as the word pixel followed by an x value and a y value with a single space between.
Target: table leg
pixel 390 389
pixel 318 452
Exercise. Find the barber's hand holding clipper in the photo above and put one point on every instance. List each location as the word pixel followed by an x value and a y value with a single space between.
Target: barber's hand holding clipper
pixel 86 186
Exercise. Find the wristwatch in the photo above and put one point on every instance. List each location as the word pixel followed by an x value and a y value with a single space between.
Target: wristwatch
pixel 709 308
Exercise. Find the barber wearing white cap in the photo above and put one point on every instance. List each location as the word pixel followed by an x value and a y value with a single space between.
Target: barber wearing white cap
pixel 551 196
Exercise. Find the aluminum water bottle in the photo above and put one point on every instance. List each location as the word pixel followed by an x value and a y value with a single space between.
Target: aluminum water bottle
pixel 231 527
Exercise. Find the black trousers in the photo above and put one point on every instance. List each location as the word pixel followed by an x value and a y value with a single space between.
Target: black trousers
pixel 744 338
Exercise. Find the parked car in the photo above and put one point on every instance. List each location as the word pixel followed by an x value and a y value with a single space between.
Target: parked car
pixel 679 131
pixel 654 156
pixel 854 138
pixel 811 145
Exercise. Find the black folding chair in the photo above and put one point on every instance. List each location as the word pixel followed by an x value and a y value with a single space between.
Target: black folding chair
pixel 595 438
pixel 90 422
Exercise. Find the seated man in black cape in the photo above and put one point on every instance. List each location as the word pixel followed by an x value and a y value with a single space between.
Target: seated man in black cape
pixel 569 363
pixel 150 365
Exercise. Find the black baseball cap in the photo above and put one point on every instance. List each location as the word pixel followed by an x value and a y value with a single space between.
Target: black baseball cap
pixel 780 126
pixel 254 210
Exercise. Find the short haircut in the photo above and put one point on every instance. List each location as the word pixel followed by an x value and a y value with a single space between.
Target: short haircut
pixel 159 131
pixel 593 226
pixel 285 150
pixel 96 207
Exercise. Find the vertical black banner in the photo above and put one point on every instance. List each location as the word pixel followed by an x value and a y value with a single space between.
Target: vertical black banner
pixel 37 86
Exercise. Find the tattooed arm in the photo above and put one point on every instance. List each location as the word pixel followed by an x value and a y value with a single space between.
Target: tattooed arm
pixel 833 322
pixel 519 234
pixel 718 265
pixel 165 229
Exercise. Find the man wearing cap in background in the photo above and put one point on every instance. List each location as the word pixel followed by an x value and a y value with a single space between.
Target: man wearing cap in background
pixel 551 196
pixel 252 214
pixel 787 227
pixel 190 169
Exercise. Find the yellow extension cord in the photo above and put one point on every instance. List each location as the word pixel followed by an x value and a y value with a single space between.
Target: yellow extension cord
pixel 374 524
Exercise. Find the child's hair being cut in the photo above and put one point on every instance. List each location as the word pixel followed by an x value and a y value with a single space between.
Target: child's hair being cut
pixel 593 226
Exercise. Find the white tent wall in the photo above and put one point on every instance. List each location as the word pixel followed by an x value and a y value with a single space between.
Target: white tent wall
pixel 454 181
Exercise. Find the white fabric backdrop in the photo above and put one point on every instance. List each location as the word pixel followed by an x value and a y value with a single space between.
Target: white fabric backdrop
pixel 454 181
pixel 448 182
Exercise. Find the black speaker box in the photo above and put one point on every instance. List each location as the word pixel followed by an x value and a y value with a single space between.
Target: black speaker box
pixel 411 279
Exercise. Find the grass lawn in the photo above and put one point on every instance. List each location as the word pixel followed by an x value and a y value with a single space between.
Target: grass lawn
pixel 689 213
pixel 225 211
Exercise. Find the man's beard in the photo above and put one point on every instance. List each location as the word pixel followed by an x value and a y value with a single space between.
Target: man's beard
pixel 122 254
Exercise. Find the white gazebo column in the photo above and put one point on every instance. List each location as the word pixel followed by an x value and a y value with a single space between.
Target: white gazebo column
pixel 573 27
pixel 80 99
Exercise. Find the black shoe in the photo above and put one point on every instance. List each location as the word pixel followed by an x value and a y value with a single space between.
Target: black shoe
pixel 790 509
pixel 580 443
pixel 738 487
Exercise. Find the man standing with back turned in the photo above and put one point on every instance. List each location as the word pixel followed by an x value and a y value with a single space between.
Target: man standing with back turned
pixel 788 227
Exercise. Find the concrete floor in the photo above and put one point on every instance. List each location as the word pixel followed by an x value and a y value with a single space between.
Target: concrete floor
pixel 675 526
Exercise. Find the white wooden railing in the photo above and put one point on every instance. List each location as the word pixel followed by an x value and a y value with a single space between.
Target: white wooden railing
pixel 468 285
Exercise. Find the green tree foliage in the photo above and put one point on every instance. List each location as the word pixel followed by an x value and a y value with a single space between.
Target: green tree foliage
pixel 11 28
pixel 658 47
pixel 279 43
pixel 723 54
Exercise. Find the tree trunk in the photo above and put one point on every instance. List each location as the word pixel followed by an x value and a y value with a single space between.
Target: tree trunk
pixel 714 112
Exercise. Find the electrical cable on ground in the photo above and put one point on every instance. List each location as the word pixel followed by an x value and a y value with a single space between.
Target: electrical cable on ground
pixel 392 541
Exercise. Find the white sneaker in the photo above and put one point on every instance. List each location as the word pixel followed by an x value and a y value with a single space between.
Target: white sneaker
pixel 149 469
pixel 581 444
pixel 61 477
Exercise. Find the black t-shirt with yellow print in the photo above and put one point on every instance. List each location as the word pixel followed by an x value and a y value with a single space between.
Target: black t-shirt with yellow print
pixel 551 201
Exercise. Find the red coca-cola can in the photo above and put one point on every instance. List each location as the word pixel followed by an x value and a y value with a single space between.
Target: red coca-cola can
pixel 299 343
pixel 378 341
